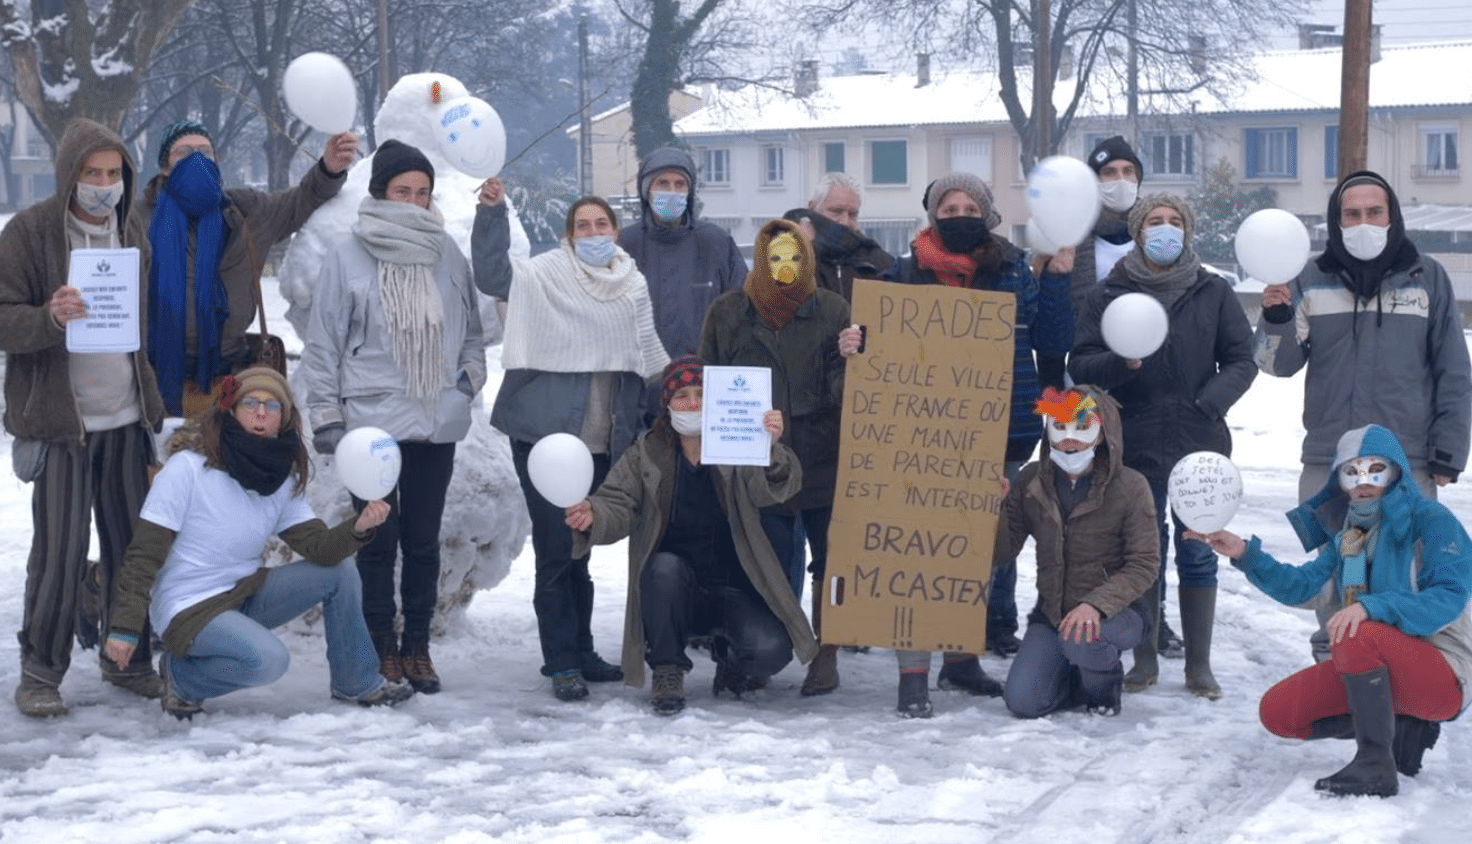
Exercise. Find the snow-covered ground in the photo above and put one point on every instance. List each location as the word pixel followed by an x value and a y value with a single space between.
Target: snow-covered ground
pixel 495 758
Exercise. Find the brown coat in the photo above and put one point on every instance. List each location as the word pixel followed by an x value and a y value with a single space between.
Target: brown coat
pixel 35 259
pixel 1108 552
pixel 635 501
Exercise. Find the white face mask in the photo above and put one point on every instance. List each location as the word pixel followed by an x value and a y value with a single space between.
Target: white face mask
pixel 1074 463
pixel 99 201
pixel 1366 241
pixel 1373 471
pixel 1119 195
pixel 686 422
pixel 1085 431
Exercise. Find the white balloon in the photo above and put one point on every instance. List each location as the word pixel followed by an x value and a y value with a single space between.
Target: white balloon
pixel 1063 196
pixel 368 462
pixel 1272 246
pixel 561 468
pixel 471 136
pixel 1204 490
pixel 1038 241
pixel 320 90
pixel 1134 325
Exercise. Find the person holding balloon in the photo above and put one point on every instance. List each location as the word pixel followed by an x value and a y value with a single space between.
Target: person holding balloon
pixel 1171 344
pixel 580 343
pixel 1097 549
pixel 394 342
pixel 700 562
pixel 959 249
pixel 238 474
pixel 1399 568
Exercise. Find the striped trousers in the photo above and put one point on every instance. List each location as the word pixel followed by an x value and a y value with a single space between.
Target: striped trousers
pixel 108 474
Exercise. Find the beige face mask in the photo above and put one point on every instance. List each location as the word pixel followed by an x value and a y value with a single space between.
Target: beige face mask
pixel 785 257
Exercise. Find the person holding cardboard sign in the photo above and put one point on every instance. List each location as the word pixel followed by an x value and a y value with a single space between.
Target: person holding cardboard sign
pixel 1094 523
pixel 1399 572
pixel 959 249
pixel 699 560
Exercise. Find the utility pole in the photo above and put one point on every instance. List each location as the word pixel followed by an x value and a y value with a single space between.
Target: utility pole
pixel 385 72
pixel 1132 71
pixel 1042 80
pixel 1354 88
pixel 585 117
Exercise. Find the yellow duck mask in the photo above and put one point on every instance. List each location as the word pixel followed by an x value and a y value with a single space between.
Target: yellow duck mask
pixel 785 257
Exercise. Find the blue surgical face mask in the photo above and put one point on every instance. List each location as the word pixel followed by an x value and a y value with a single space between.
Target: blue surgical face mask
pixel 668 205
pixel 595 250
pixel 1163 244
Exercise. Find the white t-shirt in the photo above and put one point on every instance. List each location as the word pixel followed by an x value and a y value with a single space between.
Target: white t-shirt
pixel 1107 254
pixel 221 531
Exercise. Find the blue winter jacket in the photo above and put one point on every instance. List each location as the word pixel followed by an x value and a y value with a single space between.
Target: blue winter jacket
pixel 1428 600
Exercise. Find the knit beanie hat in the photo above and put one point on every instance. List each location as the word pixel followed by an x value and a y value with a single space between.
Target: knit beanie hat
pixel 1145 205
pixel 687 370
pixel 252 379
pixel 972 186
pixel 1111 149
pixel 174 132
pixel 392 158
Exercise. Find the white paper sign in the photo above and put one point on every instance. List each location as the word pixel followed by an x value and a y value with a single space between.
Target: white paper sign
pixel 736 399
pixel 108 280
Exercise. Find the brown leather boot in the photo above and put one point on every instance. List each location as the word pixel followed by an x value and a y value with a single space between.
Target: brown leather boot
pixel 389 665
pixel 823 670
pixel 418 669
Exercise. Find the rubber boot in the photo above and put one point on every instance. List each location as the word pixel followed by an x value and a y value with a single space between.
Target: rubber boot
pixel 1372 771
pixel 1198 614
pixel 1146 670
pixel 1413 737
pixel 823 670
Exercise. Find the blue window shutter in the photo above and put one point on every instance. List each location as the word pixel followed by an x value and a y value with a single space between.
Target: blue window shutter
pixel 1331 152
pixel 1293 153
pixel 1251 139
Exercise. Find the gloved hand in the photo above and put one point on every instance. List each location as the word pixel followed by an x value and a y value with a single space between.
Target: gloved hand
pixel 326 438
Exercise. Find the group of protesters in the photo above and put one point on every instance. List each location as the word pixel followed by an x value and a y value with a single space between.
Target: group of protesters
pixel 607 337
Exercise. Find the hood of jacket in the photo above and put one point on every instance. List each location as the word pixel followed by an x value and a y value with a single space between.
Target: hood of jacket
pixel 1396 505
pixel 1109 453
pixel 667 158
pixel 1400 253
pixel 81 138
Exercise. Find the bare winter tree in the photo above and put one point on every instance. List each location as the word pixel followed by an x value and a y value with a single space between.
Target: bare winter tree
pixel 74 58
pixel 1178 47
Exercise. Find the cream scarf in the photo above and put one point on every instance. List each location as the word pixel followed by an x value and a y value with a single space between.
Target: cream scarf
pixel 407 241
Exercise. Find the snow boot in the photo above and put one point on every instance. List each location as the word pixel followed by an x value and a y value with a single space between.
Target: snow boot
pixel 1198 614
pixel 1146 670
pixel 1372 771
pixel 417 666
pixel 668 693
pixel 569 685
pixel 822 675
pixel 914 700
pixel 386 643
pixel 596 669
pixel 1167 643
pixel 1413 737
pixel 37 698
pixel 964 671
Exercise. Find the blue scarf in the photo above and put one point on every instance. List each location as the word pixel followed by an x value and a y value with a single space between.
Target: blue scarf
pixel 192 194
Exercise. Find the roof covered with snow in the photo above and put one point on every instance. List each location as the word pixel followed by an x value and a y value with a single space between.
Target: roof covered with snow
pixel 1290 80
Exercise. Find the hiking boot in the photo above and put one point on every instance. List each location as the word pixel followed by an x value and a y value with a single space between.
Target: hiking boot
pixel 569 685
pixel 1167 643
pixel 389 663
pixel 668 694
pixel 967 675
pixel 387 693
pixel 914 699
pixel 142 681
pixel 597 670
pixel 174 703
pixel 37 698
pixel 1413 737
pixel 417 667
pixel 735 681
pixel 1004 644
pixel 822 672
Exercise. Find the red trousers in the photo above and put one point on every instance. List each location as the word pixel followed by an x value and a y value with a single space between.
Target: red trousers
pixel 1421 682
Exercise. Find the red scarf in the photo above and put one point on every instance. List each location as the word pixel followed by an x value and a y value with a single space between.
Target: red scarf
pixel 950 269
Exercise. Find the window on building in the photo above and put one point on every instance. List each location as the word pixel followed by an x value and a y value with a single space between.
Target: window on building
pixel 1170 154
pixel 1438 150
pixel 771 165
pixel 973 155
pixel 1331 152
pixel 833 157
pixel 1270 153
pixel 888 164
pixel 715 166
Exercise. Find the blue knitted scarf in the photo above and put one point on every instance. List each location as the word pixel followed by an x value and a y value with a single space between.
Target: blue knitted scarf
pixel 192 194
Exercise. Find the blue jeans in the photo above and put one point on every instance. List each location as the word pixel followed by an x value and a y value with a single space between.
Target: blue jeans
pixel 1041 679
pixel 1195 562
pixel 237 649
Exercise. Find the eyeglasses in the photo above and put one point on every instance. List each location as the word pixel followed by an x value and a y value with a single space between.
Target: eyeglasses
pixel 254 405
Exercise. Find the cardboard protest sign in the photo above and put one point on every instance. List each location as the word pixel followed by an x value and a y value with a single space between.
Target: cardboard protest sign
pixel 921 463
